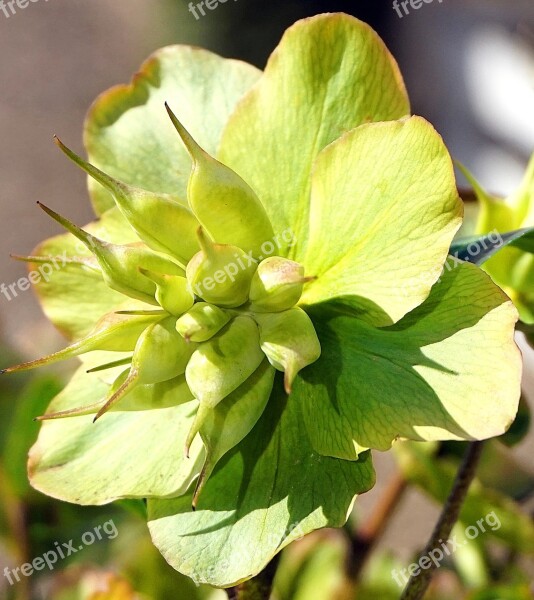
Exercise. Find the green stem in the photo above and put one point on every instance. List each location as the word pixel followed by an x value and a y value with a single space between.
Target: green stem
pixel 417 585
pixel 257 588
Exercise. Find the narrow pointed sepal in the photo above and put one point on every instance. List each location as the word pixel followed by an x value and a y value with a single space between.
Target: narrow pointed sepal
pixel 220 273
pixel 120 263
pixel 224 204
pixel 201 322
pixel 60 261
pixel 159 219
pixel 222 364
pixel 289 341
pixel 115 333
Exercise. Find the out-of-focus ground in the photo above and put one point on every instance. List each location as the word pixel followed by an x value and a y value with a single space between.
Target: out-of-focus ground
pixel 56 56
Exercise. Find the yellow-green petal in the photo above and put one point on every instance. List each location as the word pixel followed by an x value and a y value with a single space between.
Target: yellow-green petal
pixel 329 74
pixel 388 192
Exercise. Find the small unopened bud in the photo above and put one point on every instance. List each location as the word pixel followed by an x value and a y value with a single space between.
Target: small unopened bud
pixel 160 220
pixel 289 342
pixel 120 264
pixel 201 322
pixel 223 427
pixel 222 364
pixel 220 273
pixel 160 354
pixel 172 292
pixel 224 204
pixel 277 285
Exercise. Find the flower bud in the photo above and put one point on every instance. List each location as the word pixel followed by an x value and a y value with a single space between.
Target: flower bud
pixel 224 204
pixel 223 427
pixel 159 219
pixel 289 341
pixel 222 364
pixel 220 273
pixel 160 354
pixel 120 264
pixel 114 332
pixel 201 322
pixel 277 285
pixel 172 292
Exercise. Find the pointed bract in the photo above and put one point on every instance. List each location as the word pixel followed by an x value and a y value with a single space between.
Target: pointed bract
pixel 220 273
pixel 120 264
pixel 160 220
pixel 201 322
pixel 289 342
pixel 223 203
pixel 223 363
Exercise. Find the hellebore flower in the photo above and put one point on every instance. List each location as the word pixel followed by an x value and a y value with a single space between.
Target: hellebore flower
pixel 311 245
pixel 512 268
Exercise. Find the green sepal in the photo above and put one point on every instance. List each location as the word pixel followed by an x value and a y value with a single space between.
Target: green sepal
pixel 201 322
pixel 222 364
pixel 224 426
pixel 289 341
pixel 114 332
pixel 276 285
pixel 220 273
pixel 160 354
pixel 224 204
pixel 172 292
pixel 120 263
pixel 162 221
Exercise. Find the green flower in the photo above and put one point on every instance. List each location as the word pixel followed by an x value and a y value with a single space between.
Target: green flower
pixel 512 268
pixel 315 243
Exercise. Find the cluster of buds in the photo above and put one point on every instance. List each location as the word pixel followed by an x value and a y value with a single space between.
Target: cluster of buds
pixel 209 307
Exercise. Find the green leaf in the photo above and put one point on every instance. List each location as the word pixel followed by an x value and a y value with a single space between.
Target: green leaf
pixel 269 490
pixel 449 370
pixel 329 74
pixel 128 133
pixel 479 249
pixel 128 453
pixel 388 192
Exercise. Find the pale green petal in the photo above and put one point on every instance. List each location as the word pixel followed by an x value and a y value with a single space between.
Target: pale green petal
pixel 128 133
pixel 268 491
pixel 133 451
pixel 449 370
pixel 384 212
pixel 329 74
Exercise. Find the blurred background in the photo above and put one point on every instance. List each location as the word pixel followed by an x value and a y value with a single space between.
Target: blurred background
pixel 469 69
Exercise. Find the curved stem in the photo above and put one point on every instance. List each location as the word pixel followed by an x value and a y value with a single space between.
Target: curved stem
pixel 417 585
